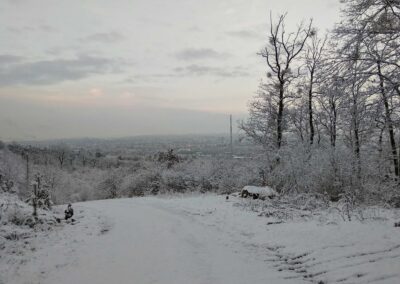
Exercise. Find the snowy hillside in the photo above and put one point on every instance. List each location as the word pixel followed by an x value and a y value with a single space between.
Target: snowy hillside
pixel 208 239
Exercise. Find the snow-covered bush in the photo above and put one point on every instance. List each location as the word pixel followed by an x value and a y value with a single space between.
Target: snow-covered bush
pixel 110 186
pixel 143 182
pixel 6 185
pixel 12 210
pixel 169 158
pixel 11 172
pixel 174 181
pixel 321 170
pixel 131 188
pixel 40 195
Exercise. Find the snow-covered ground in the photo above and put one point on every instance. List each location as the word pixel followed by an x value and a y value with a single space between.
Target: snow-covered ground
pixel 206 239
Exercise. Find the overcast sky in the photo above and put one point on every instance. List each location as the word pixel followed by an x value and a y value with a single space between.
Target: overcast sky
pixel 103 68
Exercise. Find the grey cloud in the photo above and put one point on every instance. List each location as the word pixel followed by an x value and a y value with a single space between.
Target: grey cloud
pixel 44 72
pixel 58 50
pixel 147 78
pixel 195 29
pixel 19 30
pixel 200 53
pixel 17 2
pixel 154 21
pixel 6 59
pixel 202 70
pixel 192 70
pixel 47 28
pixel 244 34
pixel 30 29
pixel 109 37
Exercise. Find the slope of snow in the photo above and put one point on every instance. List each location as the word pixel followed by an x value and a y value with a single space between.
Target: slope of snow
pixel 207 239
pixel 18 228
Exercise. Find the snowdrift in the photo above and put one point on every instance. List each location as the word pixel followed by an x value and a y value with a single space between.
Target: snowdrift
pixel 258 192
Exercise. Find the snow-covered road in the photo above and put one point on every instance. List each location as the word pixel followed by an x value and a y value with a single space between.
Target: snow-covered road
pixel 141 241
pixel 205 240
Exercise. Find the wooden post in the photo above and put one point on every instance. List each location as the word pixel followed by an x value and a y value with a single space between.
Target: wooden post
pixel 27 172
pixel 230 119
pixel 34 200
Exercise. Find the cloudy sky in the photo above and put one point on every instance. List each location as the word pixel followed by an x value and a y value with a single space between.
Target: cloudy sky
pixel 103 68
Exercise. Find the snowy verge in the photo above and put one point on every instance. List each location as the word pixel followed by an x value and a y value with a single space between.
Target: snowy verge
pixel 313 245
pixel 19 230
pixel 24 240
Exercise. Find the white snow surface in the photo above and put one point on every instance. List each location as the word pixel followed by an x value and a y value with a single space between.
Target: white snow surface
pixel 204 239
pixel 261 190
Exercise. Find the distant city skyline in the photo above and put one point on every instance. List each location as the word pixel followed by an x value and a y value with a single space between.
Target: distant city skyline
pixel 115 69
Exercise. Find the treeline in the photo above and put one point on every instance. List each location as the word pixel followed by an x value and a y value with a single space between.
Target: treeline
pixel 59 155
pixel 328 111
pixel 122 175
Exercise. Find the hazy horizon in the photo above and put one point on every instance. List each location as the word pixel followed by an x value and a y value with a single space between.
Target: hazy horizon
pixel 101 69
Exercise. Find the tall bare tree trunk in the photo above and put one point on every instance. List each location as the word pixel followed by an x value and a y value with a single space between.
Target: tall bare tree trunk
pixel 334 122
pixel 310 108
pixel 280 116
pixel 389 121
pixel 356 130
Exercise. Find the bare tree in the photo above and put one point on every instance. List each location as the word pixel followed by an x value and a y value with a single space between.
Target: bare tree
pixel 372 29
pixel 313 62
pixel 280 54
pixel 329 105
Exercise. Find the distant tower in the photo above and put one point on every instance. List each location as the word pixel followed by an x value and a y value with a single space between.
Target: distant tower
pixel 230 120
